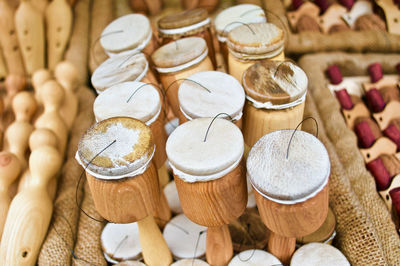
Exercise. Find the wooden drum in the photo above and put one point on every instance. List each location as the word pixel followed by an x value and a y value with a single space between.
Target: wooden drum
pixel 233 17
pixel 121 68
pixel 251 43
pixel 208 93
pixel 210 178
pixel 290 185
pixel 189 23
pixel 117 155
pixel 178 60
pixel 129 34
pixel 275 93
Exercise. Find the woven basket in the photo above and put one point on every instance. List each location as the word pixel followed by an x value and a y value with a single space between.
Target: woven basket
pixel 314 42
pixel 366 232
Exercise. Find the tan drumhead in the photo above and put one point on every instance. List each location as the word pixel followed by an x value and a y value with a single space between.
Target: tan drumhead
pixel 121 241
pixel 296 178
pixel 256 39
pixel 235 16
pixel 179 52
pixel 254 257
pixel 183 238
pixel 275 82
pixel 130 147
pixel 125 33
pixel 208 93
pixel 194 159
pixel 318 254
pixel 119 68
pixel 131 99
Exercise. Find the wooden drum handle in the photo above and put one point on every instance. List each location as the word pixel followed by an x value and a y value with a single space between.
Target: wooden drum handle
pixel 154 248
pixel 219 250
pixel 281 247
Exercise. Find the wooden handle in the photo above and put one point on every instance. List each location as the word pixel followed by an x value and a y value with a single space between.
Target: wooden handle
pixel 26 226
pixel 30 211
pixel 154 248
pixel 9 40
pixel 282 247
pixel 59 24
pixel 163 212
pixel 9 171
pixel 219 250
pixel 30 30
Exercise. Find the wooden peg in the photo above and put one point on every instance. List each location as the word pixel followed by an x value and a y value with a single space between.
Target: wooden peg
pixel 40 5
pixel 17 134
pixel 390 112
pixel 10 168
pixel 359 110
pixel 13 84
pixel 219 248
pixel 30 30
pixel 52 96
pixel 308 8
pixel 30 211
pixel 385 193
pixel 67 75
pixel 40 137
pixel 385 81
pixel 58 24
pixel 359 9
pixel 382 146
pixel 392 14
pixel 9 40
pixel 332 16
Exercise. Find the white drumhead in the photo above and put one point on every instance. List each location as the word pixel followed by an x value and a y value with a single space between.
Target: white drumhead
pixel 254 257
pixel 318 254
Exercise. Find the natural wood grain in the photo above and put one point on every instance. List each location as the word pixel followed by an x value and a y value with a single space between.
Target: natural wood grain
pixel 78 49
pixel 30 211
pixel 219 250
pixel 216 202
pixel 67 75
pixel 10 168
pixel 127 200
pixel 381 146
pixel 52 96
pixel 282 247
pixel 154 248
pixel 16 137
pixel 258 122
pixel 40 5
pixel 9 40
pixel 29 24
pixel 58 28
pixel 168 78
pixel 288 221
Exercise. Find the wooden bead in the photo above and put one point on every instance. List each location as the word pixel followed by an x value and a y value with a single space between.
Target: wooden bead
pixel 10 168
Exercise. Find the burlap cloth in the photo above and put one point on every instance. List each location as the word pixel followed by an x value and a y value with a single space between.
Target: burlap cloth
pixel 313 42
pixel 366 233
pixel 71 236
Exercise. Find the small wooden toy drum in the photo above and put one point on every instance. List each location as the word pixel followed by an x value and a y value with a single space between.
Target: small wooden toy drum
pixel 289 173
pixel 117 155
pixel 210 178
pixel 254 257
pixel 275 93
pixel 178 60
pixel 141 101
pixel 121 68
pixel 251 43
pixel 233 17
pixel 189 23
pixel 129 34
pixel 208 93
